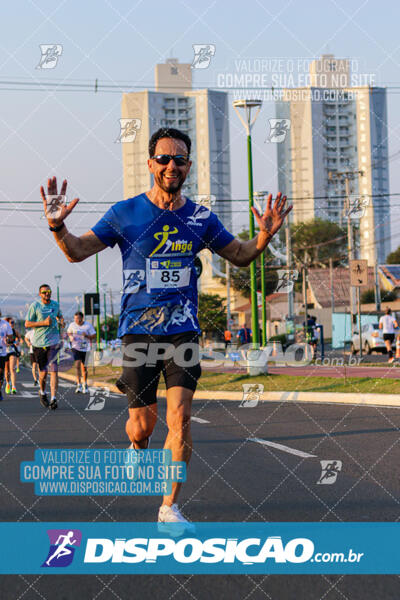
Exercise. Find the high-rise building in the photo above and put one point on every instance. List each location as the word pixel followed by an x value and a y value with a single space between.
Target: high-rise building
pixel 337 132
pixel 203 115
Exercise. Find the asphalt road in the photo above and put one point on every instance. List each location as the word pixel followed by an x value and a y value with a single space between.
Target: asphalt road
pixel 231 478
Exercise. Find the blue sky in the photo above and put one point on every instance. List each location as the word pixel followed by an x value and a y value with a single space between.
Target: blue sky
pixel 72 134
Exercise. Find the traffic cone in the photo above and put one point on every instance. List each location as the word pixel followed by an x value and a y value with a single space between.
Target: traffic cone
pixel 398 347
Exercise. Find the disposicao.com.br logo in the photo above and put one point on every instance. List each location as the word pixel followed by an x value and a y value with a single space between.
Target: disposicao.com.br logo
pixel 212 550
pixel 62 547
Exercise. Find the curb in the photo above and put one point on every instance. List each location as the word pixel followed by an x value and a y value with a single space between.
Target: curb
pixel 316 397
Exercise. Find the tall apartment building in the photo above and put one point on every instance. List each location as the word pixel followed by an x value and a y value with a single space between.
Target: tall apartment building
pixel 336 128
pixel 203 115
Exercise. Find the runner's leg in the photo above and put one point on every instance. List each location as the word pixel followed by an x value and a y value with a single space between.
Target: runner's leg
pixel 179 438
pixel 12 367
pixel 78 364
pixel 140 425
pixel 53 383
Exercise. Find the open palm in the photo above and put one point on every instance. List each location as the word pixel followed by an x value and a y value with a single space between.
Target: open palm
pixel 56 210
pixel 274 215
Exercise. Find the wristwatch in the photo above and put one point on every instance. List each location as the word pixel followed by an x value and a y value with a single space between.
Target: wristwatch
pixel 58 228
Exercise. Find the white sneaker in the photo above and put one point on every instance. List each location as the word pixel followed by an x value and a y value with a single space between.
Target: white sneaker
pixel 78 389
pixel 171 520
pixel 84 388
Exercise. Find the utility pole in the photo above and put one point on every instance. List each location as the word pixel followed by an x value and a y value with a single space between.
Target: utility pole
pixel 228 296
pixel 332 288
pixel 111 303
pixel 305 302
pixel 289 263
pixel 346 176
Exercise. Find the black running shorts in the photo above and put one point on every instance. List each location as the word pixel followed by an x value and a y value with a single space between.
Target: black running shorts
pixel 388 336
pixel 79 355
pixel 46 357
pixel 146 356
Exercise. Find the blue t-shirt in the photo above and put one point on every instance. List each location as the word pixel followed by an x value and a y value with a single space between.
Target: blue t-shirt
pixel 158 249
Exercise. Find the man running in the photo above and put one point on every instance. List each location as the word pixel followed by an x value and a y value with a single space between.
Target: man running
pixel 44 317
pixel 35 367
pixel 159 234
pixel 389 325
pixel 80 333
pixel 6 335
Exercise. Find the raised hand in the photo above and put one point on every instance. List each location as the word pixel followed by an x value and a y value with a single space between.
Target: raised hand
pixel 58 211
pixel 273 217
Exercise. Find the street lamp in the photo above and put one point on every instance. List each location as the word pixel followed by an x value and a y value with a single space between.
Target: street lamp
pixel 104 286
pixel 260 196
pixel 58 279
pixel 248 123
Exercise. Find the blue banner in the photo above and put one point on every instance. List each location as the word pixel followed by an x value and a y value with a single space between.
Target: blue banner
pixel 110 472
pixel 214 548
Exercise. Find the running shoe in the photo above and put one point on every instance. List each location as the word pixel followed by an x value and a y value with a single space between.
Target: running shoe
pixel 17 370
pixel 13 391
pixel 84 388
pixel 171 520
pixel 78 389
pixel 53 404
pixel 391 360
pixel 8 388
pixel 43 399
pixel 35 382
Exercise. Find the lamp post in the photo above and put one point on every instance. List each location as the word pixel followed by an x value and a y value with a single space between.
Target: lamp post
pixel 248 122
pixel 58 279
pixel 98 315
pixel 104 286
pixel 260 196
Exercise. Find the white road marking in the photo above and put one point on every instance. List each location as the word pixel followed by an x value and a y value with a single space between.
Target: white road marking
pixel 27 395
pixel 198 420
pixel 29 385
pixel 65 385
pixel 283 448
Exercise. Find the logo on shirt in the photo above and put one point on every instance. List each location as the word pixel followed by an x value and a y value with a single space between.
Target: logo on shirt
pixel 167 245
pixel 132 279
pixel 200 213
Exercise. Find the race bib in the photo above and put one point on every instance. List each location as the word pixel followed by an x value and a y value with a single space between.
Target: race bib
pixel 165 274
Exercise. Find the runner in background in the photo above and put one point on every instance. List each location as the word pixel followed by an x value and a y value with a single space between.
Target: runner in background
pixel 6 334
pixel 80 333
pixel 45 317
pixel 227 338
pixel 35 367
pixel 11 359
pixel 389 325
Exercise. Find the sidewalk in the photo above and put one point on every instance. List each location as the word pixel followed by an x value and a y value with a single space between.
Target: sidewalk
pixel 318 397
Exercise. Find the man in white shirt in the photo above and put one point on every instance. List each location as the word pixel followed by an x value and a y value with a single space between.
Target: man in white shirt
pixel 80 333
pixel 6 336
pixel 388 324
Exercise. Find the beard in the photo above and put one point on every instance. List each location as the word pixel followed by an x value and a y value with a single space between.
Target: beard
pixel 169 188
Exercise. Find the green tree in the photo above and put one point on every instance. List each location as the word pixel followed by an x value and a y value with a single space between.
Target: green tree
pixel 112 327
pixel 368 296
pixel 394 257
pixel 316 241
pixel 240 276
pixel 212 313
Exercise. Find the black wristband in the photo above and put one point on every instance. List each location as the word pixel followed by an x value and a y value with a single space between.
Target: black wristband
pixel 58 228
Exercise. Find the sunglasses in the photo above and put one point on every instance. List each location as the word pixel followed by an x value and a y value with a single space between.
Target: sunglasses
pixel 45 293
pixel 163 159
